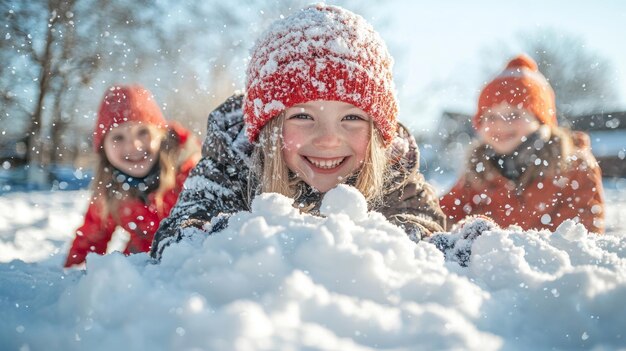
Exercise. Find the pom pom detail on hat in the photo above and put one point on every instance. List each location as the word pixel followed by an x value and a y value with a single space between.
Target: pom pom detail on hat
pixel 321 52
pixel 125 103
pixel 520 84
pixel 523 61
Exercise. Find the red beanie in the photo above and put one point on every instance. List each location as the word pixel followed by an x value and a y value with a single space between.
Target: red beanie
pixel 321 52
pixel 124 103
pixel 521 85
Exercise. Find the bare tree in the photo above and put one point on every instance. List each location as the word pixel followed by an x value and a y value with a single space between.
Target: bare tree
pixel 55 48
pixel 581 78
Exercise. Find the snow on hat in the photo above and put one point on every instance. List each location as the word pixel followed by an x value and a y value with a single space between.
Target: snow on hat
pixel 124 103
pixel 522 85
pixel 321 52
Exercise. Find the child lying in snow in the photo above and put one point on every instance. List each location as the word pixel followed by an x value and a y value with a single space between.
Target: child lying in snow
pixel 319 110
pixel 526 170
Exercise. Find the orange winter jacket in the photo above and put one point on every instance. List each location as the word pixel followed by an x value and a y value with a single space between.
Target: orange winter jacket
pixel 140 219
pixel 543 197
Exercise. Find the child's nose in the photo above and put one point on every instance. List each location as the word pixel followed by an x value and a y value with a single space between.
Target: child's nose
pixel 327 136
pixel 498 123
pixel 138 145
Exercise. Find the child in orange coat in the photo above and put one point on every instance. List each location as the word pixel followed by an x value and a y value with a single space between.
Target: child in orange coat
pixel 143 163
pixel 525 169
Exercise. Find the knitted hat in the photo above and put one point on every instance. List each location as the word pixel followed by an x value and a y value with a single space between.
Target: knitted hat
pixel 521 85
pixel 124 103
pixel 321 52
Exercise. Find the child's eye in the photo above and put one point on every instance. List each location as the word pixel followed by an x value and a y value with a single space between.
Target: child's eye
pixel 303 116
pixel 143 132
pixel 354 118
pixel 117 138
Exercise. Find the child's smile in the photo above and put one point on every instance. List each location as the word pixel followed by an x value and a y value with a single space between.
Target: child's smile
pixel 503 136
pixel 328 164
pixel 325 141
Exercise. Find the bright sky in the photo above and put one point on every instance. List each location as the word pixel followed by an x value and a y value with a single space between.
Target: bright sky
pixel 440 44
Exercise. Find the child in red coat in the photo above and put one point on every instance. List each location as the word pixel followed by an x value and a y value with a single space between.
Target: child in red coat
pixel 143 162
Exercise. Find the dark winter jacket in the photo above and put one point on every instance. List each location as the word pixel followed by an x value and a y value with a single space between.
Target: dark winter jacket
pixel 139 217
pixel 219 184
pixel 538 198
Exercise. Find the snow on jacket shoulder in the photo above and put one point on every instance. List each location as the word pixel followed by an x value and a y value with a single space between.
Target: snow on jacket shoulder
pixel 535 201
pixel 140 219
pixel 219 183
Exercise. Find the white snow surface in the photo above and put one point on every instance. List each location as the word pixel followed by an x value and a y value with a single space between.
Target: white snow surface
pixel 276 279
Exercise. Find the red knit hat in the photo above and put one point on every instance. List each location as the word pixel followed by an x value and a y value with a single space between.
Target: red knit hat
pixel 522 85
pixel 124 103
pixel 321 52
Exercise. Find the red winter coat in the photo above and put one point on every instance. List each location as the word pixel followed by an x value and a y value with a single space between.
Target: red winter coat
pixel 535 201
pixel 140 219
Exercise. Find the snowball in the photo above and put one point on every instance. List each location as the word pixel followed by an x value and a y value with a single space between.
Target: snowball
pixel 272 204
pixel 344 199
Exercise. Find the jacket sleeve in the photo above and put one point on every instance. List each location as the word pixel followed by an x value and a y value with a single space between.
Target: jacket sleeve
pixel 93 236
pixel 218 182
pixel 584 199
pixel 411 202
pixel 415 208
pixel 455 202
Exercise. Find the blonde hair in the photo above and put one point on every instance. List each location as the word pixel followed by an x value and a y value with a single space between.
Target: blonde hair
pixel 110 193
pixel 270 170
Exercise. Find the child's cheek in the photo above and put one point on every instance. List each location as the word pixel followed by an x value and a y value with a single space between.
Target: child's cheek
pixel 483 133
pixel 155 143
pixel 292 145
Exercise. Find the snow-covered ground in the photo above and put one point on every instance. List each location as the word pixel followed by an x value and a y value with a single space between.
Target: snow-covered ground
pixel 279 280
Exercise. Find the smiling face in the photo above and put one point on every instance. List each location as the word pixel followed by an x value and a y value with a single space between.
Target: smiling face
pixel 133 148
pixel 325 141
pixel 504 127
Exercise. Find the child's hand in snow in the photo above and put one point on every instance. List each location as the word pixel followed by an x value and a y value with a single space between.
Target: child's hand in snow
pixel 457 245
pixel 472 226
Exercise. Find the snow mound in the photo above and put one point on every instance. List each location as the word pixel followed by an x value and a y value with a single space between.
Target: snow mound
pixel 276 279
pixel 344 199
